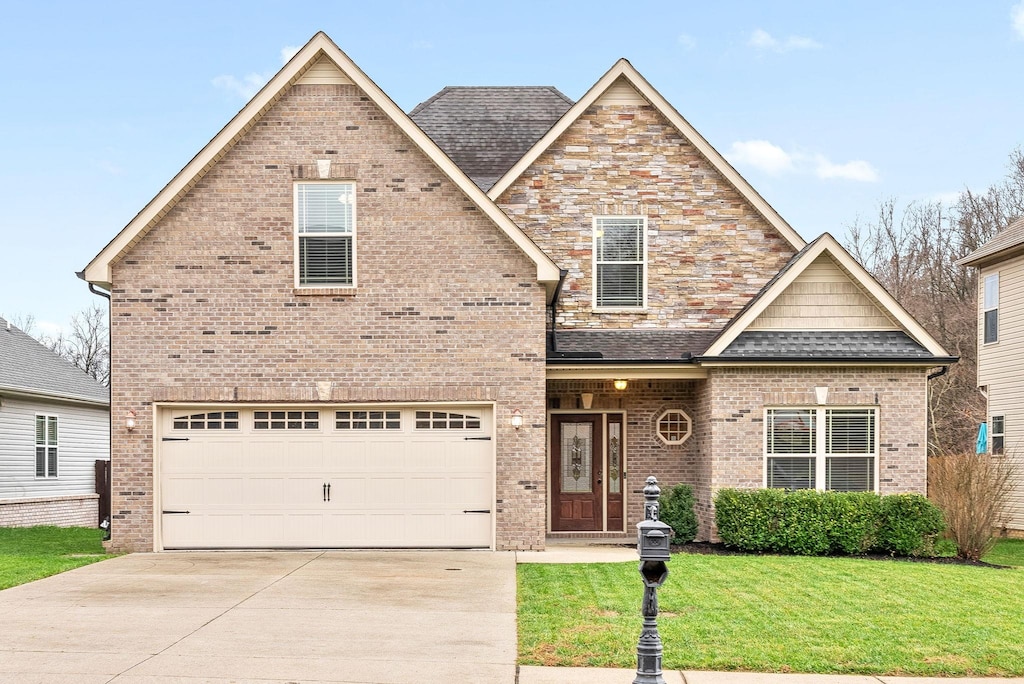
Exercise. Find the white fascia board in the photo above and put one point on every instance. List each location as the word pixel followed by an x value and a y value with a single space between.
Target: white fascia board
pixel 624 69
pixel 625 371
pixel 99 269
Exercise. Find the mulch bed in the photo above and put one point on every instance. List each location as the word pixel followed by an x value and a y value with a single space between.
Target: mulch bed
pixel 713 549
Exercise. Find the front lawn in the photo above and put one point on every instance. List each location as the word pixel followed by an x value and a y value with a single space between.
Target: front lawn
pixel 31 553
pixel 783 614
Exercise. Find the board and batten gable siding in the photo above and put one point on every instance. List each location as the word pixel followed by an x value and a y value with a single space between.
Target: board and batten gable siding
pixel 823 297
pixel 1001 369
pixel 83 438
pixel 447 309
pixel 708 249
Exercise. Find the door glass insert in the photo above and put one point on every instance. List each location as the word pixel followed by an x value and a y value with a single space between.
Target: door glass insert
pixel 577 457
pixel 614 457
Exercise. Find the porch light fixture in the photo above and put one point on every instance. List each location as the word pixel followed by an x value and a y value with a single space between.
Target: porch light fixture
pixel 517 419
pixel 129 420
pixel 620 384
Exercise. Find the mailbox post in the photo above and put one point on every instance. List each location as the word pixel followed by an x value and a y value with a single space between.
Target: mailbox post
pixel 653 537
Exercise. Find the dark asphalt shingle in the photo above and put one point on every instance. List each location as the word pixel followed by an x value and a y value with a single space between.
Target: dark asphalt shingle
pixel 825 344
pixel 671 346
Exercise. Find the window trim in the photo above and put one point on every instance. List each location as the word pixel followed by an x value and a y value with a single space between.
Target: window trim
pixel 297 237
pixel 46 446
pixel 820 442
pixel 987 308
pixel 644 262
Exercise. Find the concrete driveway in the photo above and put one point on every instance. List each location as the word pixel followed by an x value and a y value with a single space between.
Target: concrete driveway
pixel 267 617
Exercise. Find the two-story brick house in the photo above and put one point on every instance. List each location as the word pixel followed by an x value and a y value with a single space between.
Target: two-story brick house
pixel 482 324
pixel 1000 264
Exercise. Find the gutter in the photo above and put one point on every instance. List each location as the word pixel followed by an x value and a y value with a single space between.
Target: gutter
pixel 931 361
pixel 939 373
pixel 110 410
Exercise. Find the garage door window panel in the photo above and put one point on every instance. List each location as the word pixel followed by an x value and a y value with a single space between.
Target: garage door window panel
pixel 214 420
pixel 286 420
pixel 443 420
pixel 368 420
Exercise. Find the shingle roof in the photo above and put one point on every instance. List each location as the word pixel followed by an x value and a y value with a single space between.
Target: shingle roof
pixel 1008 238
pixel 826 344
pixel 28 366
pixel 487 129
pixel 624 346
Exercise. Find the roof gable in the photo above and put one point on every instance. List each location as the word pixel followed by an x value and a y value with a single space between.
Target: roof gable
pixel 610 86
pixel 27 367
pixel 826 246
pixel 319 61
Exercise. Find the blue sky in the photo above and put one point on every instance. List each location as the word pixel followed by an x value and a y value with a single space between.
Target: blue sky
pixel 826 108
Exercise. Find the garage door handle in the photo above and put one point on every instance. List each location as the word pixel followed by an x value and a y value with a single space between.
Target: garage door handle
pixel 478 510
pixel 477 439
pixel 174 439
pixel 175 512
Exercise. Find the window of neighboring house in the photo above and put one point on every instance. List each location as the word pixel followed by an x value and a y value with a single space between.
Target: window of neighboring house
pixel 46 446
pixel 991 308
pixel 325 227
pixel 620 260
pixel 821 448
pixel 998 434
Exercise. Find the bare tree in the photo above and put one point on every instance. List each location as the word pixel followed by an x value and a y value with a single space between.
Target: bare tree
pixel 87 345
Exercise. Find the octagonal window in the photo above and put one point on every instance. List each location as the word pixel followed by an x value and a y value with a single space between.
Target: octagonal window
pixel 674 426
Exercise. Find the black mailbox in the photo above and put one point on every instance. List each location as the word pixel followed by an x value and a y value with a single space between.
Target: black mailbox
pixel 653 537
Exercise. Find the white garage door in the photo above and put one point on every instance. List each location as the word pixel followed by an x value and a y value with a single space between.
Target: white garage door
pixel 310 477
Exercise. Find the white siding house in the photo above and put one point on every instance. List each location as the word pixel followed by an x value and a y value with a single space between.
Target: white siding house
pixel 54 426
pixel 1000 264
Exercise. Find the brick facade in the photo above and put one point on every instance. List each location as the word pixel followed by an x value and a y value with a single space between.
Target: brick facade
pixel 447 307
pixel 80 510
pixel 708 250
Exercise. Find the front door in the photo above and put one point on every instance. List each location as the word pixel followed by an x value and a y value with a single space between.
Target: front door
pixel 577 459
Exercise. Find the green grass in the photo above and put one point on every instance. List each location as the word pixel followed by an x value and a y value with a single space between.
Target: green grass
pixel 1007 552
pixel 31 553
pixel 782 614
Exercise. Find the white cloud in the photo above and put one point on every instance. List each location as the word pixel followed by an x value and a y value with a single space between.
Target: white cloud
pixel 762 40
pixel 856 170
pixel 762 155
pixel 250 84
pixel 687 41
pixel 288 52
pixel 1017 18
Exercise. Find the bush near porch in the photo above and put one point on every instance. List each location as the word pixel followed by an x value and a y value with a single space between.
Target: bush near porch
pixel 815 523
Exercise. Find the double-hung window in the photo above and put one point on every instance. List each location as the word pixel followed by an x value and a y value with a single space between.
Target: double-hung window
pixel 821 448
pixel 998 435
pixel 620 262
pixel 991 308
pixel 46 446
pixel 325 227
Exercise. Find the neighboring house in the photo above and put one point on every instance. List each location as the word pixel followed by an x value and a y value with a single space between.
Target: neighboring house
pixel 481 325
pixel 54 426
pixel 1000 264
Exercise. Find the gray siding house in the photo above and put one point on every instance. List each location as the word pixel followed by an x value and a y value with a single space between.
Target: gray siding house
pixel 54 426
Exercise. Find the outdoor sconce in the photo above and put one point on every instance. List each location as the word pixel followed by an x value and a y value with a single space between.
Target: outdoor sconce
pixel 620 384
pixel 129 421
pixel 517 419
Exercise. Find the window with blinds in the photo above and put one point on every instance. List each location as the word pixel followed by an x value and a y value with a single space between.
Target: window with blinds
pixel 325 227
pixel 821 448
pixel 620 261
pixel 46 446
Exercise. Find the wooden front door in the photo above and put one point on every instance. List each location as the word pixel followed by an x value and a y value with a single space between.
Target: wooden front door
pixel 577 459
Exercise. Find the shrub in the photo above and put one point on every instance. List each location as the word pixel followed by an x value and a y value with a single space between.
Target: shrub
pixel 677 511
pixel 809 522
pixel 972 490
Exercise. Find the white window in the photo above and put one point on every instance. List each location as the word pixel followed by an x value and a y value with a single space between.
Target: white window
pixel 325 234
pixel 46 446
pixel 620 262
pixel 674 426
pixel 821 448
pixel 998 434
pixel 991 308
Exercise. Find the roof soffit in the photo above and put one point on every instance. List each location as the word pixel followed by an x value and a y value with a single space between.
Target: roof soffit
pixel 99 270
pixel 623 69
pixel 826 244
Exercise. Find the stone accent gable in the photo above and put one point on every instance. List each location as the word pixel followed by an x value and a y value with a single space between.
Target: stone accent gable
pixel 708 251
pixel 447 307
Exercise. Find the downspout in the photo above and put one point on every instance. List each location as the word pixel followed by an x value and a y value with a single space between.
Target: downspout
pixel 939 373
pixel 110 431
pixel 554 306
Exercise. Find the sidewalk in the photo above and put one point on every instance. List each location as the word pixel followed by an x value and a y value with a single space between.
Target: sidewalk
pixel 582 553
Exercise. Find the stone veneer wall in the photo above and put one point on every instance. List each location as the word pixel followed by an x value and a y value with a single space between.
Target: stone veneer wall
pixel 708 250
pixel 738 397
pixel 447 307
pixel 643 402
pixel 80 510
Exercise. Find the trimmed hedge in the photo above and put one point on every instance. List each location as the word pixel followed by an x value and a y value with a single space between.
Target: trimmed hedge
pixel 676 509
pixel 813 523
